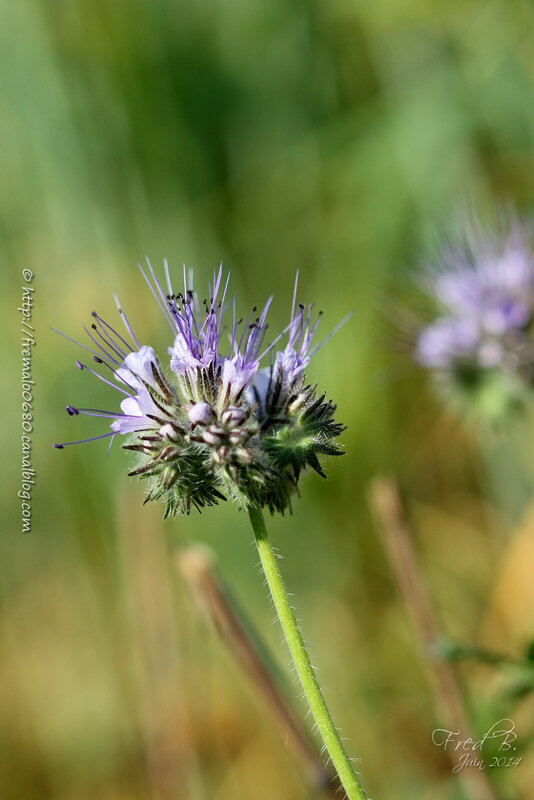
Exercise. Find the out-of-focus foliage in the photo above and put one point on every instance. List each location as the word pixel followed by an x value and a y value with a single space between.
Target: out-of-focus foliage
pixel 336 137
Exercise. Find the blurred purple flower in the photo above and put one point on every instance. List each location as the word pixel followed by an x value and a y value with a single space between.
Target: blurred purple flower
pixel 446 340
pixel 486 292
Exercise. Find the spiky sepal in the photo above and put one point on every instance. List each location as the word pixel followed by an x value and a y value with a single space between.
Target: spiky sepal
pixel 306 432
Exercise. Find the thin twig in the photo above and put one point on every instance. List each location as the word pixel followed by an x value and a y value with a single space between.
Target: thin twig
pixel 392 521
pixel 196 563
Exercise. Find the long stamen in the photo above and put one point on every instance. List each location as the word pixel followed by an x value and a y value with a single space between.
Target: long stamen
pixel 99 360
pixel 305 334
pixel 163 306
pixel 158 287
pixel 275 341
pixel 83 441
pixel 109 383
pixel 302 328
pixel 95 412
pixel 125 321
pixel 168 277
pixel 295 326
pixel 74 341
pixel 334 331
pixel 108 341
pixel 214 287
pixel 113 331
pixel 222 301
pixel 246 327
pixel 103 350
pixel 294 295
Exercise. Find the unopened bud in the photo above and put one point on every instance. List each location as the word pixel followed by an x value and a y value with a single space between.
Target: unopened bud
pixel 238 436
pixel 233 416
pixel 167 432
pixel 213 436
pixel 200 414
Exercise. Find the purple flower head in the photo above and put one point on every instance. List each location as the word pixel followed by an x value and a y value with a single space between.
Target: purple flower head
pixel 204 434
pixel 486 291
pixel 493 280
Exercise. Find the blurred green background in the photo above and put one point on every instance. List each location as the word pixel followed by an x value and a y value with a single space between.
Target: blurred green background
pixel 336 137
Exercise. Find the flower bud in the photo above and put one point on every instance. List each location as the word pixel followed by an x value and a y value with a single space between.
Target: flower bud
pixel 238 436
pixel 167 432
pixel 213 436
pixel 200 414
pixel 233 416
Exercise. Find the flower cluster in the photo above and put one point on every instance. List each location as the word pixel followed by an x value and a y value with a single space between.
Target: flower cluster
pixel 213 423
pixel 480 347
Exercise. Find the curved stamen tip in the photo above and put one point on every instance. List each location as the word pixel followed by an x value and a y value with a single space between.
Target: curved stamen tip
pixel 98 359
pixel 79 364
pixel 84 441
pixel 71 411
pixel 94 314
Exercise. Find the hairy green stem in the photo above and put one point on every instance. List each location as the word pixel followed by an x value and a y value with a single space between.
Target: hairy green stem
pixel 305 671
